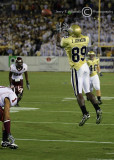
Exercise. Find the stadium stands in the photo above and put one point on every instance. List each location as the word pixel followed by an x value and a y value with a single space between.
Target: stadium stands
pixel 25 31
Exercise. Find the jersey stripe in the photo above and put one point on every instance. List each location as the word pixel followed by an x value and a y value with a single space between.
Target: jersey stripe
pixel 74 80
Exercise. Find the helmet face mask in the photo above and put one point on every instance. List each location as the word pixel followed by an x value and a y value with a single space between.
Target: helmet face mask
pixel 19 63
pixel 91 55
pixel 74 30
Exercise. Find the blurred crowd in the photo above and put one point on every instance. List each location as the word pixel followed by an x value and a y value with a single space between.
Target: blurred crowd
pixel 25 31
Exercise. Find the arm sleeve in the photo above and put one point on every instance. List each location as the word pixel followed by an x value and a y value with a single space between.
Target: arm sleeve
pixel 11 68
pixel 25 67
pixel 63 42
pixel 87 39
pixel 98 66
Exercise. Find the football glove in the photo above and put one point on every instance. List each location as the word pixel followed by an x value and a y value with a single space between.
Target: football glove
pixel 100 74
pixel 12 87
pixel 28 85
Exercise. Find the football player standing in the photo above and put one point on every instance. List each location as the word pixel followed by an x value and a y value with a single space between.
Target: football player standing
pixel 7 99
pixel 75 46
pixel 94 67
pixel 16 77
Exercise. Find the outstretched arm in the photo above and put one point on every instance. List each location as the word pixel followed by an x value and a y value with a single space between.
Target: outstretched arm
pixel 6 115
pixel 10 79
pixel 98 70
pixel 7 138
pixel 26 78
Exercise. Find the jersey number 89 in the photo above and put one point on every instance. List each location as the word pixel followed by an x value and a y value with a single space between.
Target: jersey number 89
pixel 76 55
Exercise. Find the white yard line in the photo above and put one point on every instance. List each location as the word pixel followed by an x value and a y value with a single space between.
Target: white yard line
pixel 37 102
pixel 107 104
pixel 109 153
pixel 76 112
pixel 69 141
pixel 67 99
pixel 99 159
pixel 70 98
pixel 22 108
pixel 17 109
pixel 62 123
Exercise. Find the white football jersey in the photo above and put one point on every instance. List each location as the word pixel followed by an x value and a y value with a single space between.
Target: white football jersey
pixel 7 92
pixel 17 74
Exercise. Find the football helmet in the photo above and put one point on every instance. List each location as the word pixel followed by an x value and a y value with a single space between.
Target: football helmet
pixel 91 55
pixel 19 63
pixel 74 30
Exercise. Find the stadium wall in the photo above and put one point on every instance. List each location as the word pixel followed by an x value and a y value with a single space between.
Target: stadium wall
pixel 51 63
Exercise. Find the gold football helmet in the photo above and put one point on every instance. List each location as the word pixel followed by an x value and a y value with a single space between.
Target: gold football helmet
pixel 74 30
pixel 91 55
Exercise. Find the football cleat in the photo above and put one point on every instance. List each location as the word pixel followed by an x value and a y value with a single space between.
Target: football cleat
pixel 99 102
pixel 99 116
pixel 7 144
pixel 84 119
pixel 13 146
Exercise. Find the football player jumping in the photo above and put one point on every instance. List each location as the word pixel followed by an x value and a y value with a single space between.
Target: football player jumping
pixel 16 77
pixel 7 99
pixel 94 67
pixel 75 46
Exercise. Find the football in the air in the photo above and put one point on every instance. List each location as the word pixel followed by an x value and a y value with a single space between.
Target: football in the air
pixel 46 12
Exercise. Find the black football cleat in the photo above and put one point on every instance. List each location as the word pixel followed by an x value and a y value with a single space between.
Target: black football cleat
pixel 99 102
pixel 13 146
pixel 99 116
pixel 84 119
pixel 7 144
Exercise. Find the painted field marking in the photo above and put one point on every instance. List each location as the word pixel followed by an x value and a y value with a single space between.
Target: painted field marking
pixel 107 104
pixel 99 159
pixel 69 141
pixel 62 123
pixel 109 153
pixel 37 102
pixel 17 109
pixel 76 112
pixel 103 98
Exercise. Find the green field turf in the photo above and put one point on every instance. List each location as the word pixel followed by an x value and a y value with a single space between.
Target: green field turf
pixel 45 125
